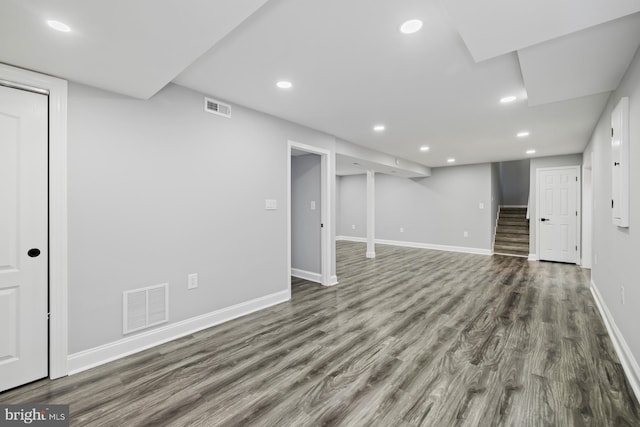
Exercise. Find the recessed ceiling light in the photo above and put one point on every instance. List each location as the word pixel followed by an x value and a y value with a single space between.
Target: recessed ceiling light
pixel 531 151
pixel 523 134
pixel 507 99
pixel 59 26
pixel 378 128
pixel 411 26
pixel 424 148
pixel 284 84
pixel 451 160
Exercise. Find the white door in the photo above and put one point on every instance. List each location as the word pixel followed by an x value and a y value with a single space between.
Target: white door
pixel 558 214
pixel 23 237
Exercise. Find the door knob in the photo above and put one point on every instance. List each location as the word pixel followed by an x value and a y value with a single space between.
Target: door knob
pixel 544 219
pixel 33 252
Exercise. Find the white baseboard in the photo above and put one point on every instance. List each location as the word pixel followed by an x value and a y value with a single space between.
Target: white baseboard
pixel 97 356
pixel 306 275
pixel 352 239
pixel 629 363
pixel 333 280
pixel 417 245
pixel 447 248
pixel 533 257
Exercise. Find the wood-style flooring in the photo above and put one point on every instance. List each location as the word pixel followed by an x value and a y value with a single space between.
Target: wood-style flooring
pixel 413 337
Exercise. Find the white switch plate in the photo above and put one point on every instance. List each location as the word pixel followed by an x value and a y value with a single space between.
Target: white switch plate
pixel 271 204
pixel 466 234
pixel 481 205
pixel 192 281
pixel 402 229
pixel 353 226
pixel 313 205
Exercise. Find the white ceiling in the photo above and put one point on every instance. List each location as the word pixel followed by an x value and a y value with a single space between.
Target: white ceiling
pixel 350 66
pixel 494 27
pixel 587 62
pixel 130 47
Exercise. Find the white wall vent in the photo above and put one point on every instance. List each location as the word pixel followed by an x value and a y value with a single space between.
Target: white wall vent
pixel 217 107
pixel 145 307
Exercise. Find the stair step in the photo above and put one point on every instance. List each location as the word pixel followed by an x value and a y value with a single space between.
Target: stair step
pixel 510 250
pixel 512 246
pixel 513 230
pixel 520 211
pixel 509 216
pixel 515 238
pixel 516 222
pixel 523 254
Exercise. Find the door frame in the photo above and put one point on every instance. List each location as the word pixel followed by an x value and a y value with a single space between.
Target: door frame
pixel 576 169
pixel 56 89
pixel 326 197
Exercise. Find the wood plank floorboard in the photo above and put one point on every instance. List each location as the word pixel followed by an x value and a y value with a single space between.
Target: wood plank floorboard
pixel 411 338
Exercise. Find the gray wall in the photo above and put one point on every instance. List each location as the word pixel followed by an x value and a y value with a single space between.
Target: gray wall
pixel 352 206
pixel 615 250
pixel 305 222
pixel 434 210
pixel 438 209
pixel 544 162
pixel 514 182
pixel 159 189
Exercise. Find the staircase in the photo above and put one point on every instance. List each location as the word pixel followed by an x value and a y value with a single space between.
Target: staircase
pixel 512 234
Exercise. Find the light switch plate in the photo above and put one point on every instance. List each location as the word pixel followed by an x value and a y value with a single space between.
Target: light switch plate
pixel 271 204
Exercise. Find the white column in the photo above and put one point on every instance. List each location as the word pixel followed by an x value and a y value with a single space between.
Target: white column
pixel 371 210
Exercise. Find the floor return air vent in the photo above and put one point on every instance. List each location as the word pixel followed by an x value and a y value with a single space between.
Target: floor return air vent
pixel 145 307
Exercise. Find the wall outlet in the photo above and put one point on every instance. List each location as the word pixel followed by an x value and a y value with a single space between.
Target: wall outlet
pixel 192 281
pixel 353 226
pixel 466 234
pixel 622 294
pixel 313 205
pixel 402 229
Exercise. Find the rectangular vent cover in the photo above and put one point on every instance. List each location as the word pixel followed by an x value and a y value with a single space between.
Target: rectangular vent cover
pixel 217 107
pixel 145 307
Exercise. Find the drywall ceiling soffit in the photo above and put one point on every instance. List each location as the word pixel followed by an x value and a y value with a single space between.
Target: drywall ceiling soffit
pixel 583 63
pixel 347 165
pixel 491 28
pixel 130 47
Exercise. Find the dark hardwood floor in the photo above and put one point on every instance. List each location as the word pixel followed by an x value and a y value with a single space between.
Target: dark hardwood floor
pixel 414 337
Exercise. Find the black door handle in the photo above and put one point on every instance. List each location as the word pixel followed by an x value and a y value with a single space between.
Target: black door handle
pixel 33 252
pixel 544 219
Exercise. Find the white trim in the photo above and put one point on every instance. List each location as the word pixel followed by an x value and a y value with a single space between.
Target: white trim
pixel 576 168
pixel 495 229
pixel 326 198
pixel 447 248
pixel 57 90
pixel 97 356
pixel 352 239
pixel 370 254
pixel 306 275
pixel 416 245
pixel 333 280
pixel 629 363
pixel 533 257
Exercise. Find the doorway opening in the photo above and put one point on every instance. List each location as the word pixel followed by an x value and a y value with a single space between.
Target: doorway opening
pixel 318 219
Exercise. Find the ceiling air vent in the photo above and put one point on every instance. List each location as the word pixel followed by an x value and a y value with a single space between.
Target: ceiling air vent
pixel 217 107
